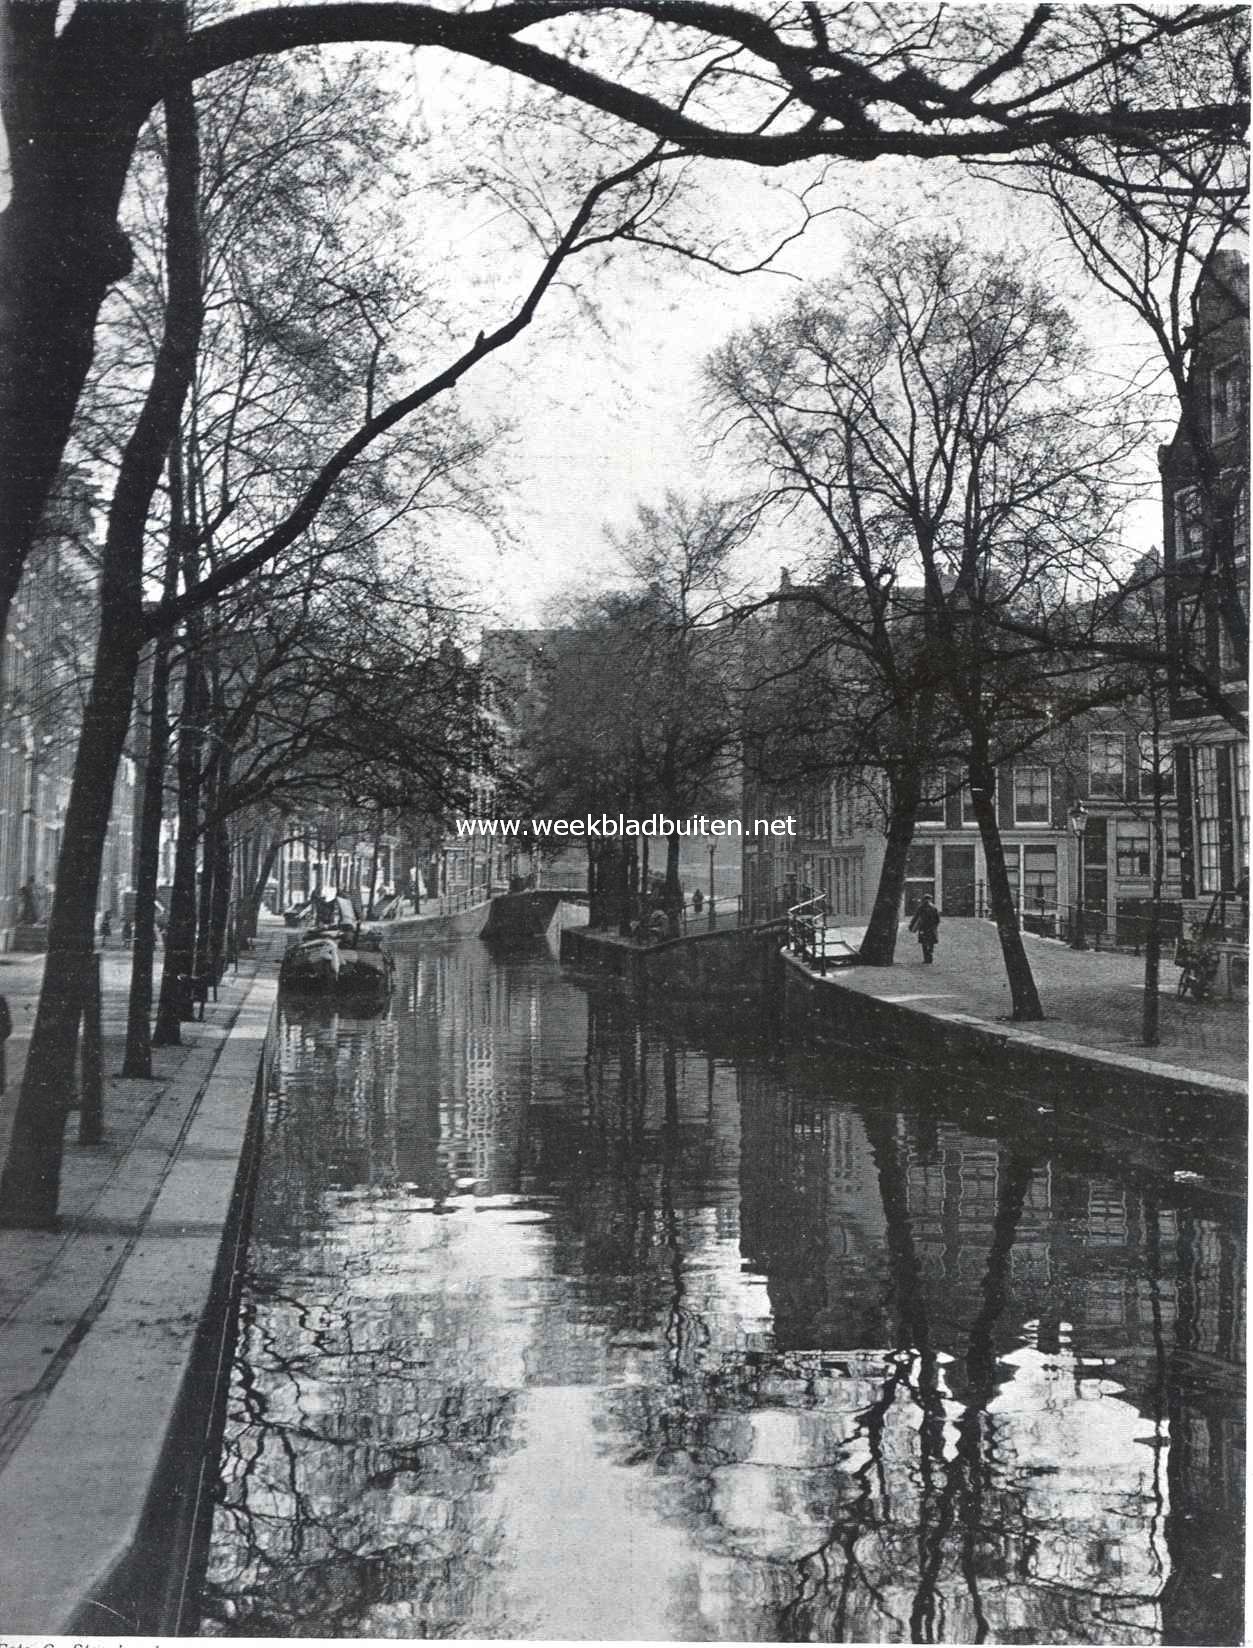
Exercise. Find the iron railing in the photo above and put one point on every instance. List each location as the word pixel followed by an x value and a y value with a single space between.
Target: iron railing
pixel 1121 928
pixel 808 936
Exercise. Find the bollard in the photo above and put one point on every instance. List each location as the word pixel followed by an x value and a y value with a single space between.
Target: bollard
pixel 91 1055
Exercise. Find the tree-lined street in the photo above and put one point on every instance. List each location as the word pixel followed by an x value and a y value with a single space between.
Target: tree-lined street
pixel 932 595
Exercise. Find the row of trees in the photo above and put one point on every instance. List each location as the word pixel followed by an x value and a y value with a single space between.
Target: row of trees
pixel 252 383
pixel 963 476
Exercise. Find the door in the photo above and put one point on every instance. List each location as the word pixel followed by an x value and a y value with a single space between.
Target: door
pixel 1095 875
pixel 957 881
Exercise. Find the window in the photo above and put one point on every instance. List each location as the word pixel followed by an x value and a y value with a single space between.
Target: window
pixel 1241 532
pixel 1106 764
pixel 1039 879
pixel 1240 784
pixel 968 802
pixel 1226 386
pixel 1228 664
pixel 1131 843
pixel 1189 525
pixel 919 876
pixel 1173 857
pixel 1191 621
pixel 1157 765
pixel 931 807
pixel 1032 797
pixel 1205 800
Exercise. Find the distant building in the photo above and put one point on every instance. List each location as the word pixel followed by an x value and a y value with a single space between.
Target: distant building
pixel 516 665
pixel 45 671
pixel 1108 760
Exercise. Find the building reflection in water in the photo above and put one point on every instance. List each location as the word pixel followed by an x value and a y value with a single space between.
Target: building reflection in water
pixel 563 1325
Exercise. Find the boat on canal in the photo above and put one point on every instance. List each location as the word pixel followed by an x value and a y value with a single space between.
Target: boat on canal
pixel 339 958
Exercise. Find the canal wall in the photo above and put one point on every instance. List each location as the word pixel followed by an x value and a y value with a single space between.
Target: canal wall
pixel 109 1490
pixel 461 924
pixel 1086 1081
pixel 730 964
pixel 532 914
pixel 508 915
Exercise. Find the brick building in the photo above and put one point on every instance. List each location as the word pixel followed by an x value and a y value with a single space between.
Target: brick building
pixel 1205 505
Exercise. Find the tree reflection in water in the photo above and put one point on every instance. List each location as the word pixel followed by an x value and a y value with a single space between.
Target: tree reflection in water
pixel 841 1357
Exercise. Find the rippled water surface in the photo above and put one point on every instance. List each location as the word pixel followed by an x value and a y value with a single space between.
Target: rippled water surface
pixel 565 1324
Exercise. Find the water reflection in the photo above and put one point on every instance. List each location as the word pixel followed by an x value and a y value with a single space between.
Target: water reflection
pixel 563 1326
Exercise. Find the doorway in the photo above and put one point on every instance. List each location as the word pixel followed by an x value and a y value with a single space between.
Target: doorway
pixel 957 883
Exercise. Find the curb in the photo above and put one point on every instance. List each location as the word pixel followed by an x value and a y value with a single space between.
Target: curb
pixel 94 1465
pixel 1180 1080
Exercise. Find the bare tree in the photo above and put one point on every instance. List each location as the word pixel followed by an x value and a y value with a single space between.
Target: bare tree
pixel 1153 229
pixel 927 415
pixel 701 79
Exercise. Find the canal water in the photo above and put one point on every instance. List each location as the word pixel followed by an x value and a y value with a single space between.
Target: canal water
pixel 565 1323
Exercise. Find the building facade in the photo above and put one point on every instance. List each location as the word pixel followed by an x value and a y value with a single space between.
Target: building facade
pixel 45 666
pixel 1078 824
pixel 1205 496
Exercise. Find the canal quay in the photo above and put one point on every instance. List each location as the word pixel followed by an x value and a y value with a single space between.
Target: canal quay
pixel 538 1310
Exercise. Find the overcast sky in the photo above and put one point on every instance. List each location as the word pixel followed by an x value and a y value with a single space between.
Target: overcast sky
pixel 604 407
pixel 606 414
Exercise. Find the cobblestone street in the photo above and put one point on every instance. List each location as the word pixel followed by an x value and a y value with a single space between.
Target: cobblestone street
pixel 1093 998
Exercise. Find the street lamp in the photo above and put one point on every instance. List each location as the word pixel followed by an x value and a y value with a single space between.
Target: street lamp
pixel 1078 823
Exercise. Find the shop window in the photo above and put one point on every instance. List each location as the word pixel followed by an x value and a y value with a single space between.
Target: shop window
pixel 1174 858
pixel 1039 880
pixel 1157 765
pixel 1032 795
pixel 1205 801
pixel 1189 524
pixel 1106 765
pixel 1240 784
pixel 1131 842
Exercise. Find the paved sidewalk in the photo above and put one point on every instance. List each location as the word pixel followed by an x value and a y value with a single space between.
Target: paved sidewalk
pixel 1090 998
pixel 53 1284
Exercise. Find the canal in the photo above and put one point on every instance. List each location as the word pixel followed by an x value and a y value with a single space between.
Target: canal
pixel 565 1323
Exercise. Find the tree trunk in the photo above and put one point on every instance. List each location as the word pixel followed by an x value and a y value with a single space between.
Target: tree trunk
pixel 1024 998
pixel 673 892
pixel 628 873
pixel 251 915
pixel 138 1059
pixel 208 873
pixel 219 848
pixel 30 1185
pixel 180 933
pixel 375 848
pixel 878 948
pixel 75 99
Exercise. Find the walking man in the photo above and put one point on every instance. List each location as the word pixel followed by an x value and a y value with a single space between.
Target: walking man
pixel 926 924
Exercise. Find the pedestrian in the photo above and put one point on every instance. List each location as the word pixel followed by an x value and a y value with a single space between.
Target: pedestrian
pixel 106 926
pixel 6 1030
pixel 698 898
pixel 926 923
